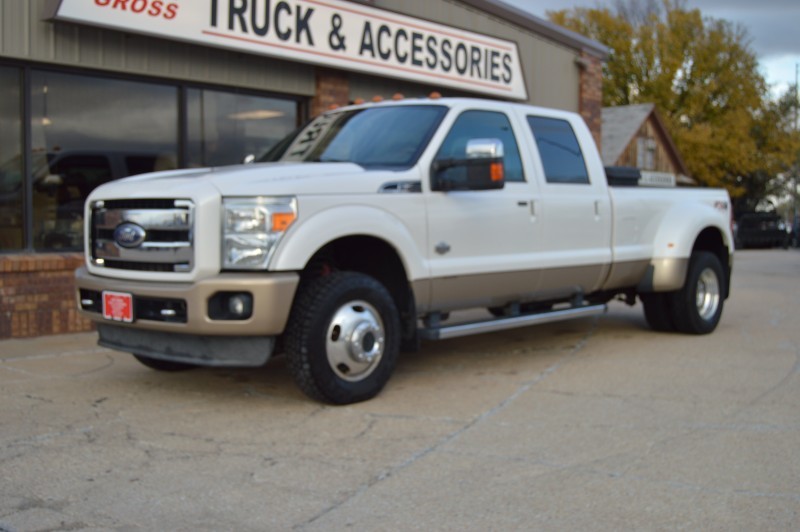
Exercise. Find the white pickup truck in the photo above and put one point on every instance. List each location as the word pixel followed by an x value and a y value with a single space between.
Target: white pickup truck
pixel 358 235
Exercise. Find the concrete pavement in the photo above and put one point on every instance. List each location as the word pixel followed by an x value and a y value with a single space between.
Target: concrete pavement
pixel 596 424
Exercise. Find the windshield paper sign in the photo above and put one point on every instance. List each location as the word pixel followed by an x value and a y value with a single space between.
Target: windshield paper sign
pixel 333 33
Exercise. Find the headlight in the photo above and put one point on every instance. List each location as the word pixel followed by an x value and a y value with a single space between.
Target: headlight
pixel 252 228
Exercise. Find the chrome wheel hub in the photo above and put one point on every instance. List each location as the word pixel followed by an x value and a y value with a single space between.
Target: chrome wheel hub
pixel 355 341
pixel 708 294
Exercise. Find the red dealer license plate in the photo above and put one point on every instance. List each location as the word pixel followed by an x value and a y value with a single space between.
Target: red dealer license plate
pixel 118 306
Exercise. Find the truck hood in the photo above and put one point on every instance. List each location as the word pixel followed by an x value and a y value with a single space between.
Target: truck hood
pixel 277 179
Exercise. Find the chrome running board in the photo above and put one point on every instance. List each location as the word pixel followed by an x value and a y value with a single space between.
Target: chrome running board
pixel 502 324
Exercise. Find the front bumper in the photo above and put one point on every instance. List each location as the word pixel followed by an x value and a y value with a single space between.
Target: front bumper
pixel 272 295
pixel 215 351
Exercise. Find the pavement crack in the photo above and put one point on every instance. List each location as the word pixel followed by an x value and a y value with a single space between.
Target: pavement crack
pixel 416 457
pixel 47 356
pixel 50 436
pixel 370 425
pixel 795 370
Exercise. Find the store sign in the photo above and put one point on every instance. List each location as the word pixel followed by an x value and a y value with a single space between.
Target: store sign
pixel 332 33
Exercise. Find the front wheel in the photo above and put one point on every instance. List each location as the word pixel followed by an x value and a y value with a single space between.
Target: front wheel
pixel 343 338
pixel 697 307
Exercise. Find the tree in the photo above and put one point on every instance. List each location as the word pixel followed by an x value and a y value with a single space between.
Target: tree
pixel 778 151
pixel 702 76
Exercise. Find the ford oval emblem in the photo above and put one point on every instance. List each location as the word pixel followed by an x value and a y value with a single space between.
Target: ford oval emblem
pixel 129 235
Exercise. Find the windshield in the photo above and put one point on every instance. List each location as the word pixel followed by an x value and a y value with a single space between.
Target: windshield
pixel 371 137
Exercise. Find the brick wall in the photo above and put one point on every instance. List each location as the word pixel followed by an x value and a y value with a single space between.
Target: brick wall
pixel 333 88
pixel 37 295
pixel 591 95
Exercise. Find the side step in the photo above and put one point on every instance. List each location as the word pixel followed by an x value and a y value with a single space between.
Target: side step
pixel 502 324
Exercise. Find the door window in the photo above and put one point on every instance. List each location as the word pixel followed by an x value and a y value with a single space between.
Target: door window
pixel 559 150
pixel 482 125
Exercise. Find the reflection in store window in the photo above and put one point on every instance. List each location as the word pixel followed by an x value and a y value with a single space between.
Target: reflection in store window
pixel 86 131
pixel 11 182
pixel 224 128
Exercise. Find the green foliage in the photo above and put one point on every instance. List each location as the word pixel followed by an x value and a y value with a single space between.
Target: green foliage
pixel 704 80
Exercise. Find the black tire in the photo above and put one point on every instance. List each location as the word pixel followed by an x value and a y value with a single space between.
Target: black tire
pixel 657 311
pixel 697 307
pixel 163 365
pixel 343 338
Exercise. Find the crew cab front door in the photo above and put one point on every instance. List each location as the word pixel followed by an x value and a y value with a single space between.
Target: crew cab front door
pixel 480 242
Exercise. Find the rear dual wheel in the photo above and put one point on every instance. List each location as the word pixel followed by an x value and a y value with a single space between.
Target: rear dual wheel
pixel 657 311
pixel 696 308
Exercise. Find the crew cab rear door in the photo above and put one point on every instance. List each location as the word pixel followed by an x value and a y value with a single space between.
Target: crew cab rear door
pixel 573 205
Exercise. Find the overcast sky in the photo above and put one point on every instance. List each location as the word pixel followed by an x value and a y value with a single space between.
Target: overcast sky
pixel 772 26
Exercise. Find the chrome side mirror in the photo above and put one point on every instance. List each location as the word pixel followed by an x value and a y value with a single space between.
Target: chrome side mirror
pixel 485 149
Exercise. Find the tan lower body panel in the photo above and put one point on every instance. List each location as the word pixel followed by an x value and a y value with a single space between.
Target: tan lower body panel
pixel 273 294
pixel 497 289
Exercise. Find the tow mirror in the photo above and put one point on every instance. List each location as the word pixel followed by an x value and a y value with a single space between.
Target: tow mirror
pixel 482 169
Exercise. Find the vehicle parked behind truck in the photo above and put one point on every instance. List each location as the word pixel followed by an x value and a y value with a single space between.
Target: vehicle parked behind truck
pixel 761 230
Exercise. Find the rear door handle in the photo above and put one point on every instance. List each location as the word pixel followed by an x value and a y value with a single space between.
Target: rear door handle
pixel 532 204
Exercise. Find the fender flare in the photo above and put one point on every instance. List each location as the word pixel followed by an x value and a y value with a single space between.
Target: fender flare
pixel 674 242
pixel 302 242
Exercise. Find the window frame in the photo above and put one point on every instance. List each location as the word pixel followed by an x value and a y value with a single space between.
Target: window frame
pixel 513 132
pixel 552 180
pixel 26 68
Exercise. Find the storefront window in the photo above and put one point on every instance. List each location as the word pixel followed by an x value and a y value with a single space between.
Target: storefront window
pixel 224 127
pixel 11 182
pixel 86 131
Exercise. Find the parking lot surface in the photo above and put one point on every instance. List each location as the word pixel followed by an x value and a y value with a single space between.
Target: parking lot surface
pixel 596 424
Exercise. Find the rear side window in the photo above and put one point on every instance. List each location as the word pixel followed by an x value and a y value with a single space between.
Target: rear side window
pixel 559 149
pixel 483 125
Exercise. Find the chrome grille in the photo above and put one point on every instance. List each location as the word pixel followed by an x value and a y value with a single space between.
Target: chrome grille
pixel 165 227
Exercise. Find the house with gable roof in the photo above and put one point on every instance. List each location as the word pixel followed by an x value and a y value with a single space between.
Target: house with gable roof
pixel 635 135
